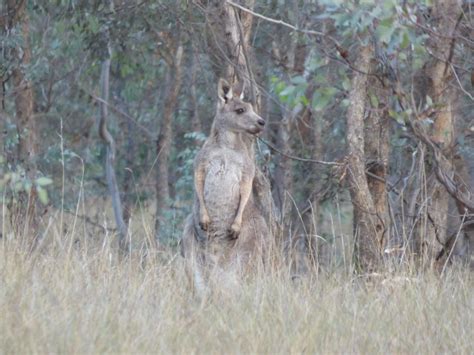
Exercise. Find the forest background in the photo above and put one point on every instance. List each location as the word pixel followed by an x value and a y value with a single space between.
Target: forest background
pixel 368 147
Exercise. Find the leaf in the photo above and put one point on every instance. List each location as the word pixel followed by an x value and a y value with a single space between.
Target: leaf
pixel 297 80
pixel 322 98
pixel 374 101
pixel 345 102
pixel 385 30
pixel 287 91
pixel 43 181
pixel 42 195
pixel 346 84
pixel 320 79
pixel 27 186
pixel 405 40
pixel 304 100
pixel 429 101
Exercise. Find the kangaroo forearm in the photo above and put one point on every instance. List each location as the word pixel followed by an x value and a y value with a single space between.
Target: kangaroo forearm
pixel 245 191
pixel 199 186
pixel 199 178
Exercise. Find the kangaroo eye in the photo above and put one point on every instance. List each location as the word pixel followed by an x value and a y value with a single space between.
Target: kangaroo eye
pixel 239 111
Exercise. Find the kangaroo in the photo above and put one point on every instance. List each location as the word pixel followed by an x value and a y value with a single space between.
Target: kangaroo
pixel 225 167
pixel 225 219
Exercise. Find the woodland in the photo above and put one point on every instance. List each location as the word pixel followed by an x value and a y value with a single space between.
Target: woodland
pixel 366 164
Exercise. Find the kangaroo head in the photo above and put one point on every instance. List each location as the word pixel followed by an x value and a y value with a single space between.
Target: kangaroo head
pixel 233 113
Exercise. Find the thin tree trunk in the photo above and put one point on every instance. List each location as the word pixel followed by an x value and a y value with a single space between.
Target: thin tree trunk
pixel 111 153
pixel 367 249
pixel 311 216
pixel 283 170
pixel 193 102
pixel 130 156
pixel 163 146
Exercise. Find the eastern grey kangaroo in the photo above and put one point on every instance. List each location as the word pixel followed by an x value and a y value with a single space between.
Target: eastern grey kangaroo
pixel 226 223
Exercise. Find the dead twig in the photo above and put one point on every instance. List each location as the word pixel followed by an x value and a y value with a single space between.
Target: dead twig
pixel 271 146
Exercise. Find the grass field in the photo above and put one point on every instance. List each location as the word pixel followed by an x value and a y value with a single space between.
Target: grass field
pixel 67 298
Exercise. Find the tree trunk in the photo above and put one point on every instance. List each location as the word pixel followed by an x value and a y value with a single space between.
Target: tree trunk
pixel 229 33
pixel 283 170
pixel 111 151
pixel 439 73
pixel 377 147
pixel 366 226
pixel 193 102
pixel 163 145
pixel 129 134
pixel 311 216
pixel 25 120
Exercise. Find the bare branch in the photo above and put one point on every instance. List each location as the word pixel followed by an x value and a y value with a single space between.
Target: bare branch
pixel 143 129
pixel 271 146
pixel 283 23
pixel 460 85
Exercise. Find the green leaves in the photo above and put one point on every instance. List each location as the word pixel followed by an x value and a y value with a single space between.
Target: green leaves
pixel 42 195
pixel 322 97
pixel 374 101
pixel 385 30
pixel 293 93
pixel 14 183
pixel 43 181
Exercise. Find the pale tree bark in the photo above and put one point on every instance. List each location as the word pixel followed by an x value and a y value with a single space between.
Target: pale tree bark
pixel 439 74
pixel 367 248
pixel 165 137
pixel 129 134
pixel 229 31
pixel 109 143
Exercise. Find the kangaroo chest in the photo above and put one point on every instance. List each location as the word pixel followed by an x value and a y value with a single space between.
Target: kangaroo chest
pixel 225 171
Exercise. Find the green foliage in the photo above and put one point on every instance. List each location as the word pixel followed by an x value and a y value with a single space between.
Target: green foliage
pixel 13 183
pixel 292 93
pixel 184 184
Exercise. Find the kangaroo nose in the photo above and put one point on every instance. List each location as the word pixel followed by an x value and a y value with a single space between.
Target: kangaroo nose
pixel 261 122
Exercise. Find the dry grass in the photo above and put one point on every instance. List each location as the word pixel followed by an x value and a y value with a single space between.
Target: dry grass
pixel 71 298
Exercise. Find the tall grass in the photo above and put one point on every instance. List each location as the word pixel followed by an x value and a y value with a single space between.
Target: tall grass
pixel 69 297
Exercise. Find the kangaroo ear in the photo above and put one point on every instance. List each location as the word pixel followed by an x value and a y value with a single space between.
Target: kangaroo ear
pixel 224 90
pixel 239 89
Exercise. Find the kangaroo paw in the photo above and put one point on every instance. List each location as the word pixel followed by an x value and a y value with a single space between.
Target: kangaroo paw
pixel 204 225
pixel 204 222
pixel 234 230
